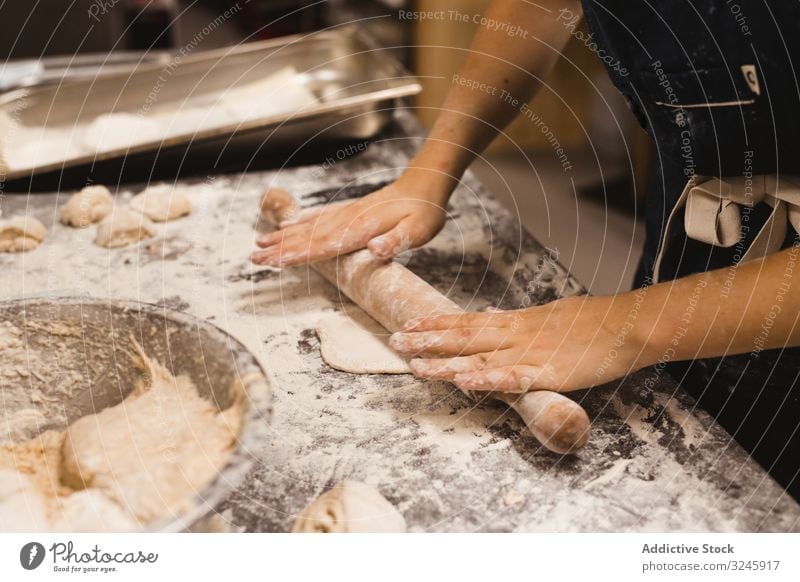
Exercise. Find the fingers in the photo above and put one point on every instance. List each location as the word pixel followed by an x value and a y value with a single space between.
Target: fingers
pixel 329 234
pixel 300 218
pixel 270 239
pixel 385 221
pixel 448 368
pixel 451 342
pixel 313 213
pixel 472 319
pixel 281 246
pixel 299 246
pixel 405 235
pixel 390 244
pixel 320 234
pixel 521 378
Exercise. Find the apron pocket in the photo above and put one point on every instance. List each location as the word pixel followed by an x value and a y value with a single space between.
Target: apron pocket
pixel 705 119
pixel 702 88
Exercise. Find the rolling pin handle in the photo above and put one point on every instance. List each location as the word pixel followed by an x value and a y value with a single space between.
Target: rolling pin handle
pixel 559 423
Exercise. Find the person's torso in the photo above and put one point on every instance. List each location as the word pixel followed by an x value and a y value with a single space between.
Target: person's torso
pixel 717 87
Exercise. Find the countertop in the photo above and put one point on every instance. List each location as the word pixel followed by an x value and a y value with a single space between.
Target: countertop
pixel 654 462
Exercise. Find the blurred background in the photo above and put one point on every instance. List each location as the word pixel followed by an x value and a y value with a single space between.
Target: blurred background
pixel 588 216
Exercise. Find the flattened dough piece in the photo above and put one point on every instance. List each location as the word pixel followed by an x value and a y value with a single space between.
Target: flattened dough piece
pixel 358 344
pixel 21 233
pixel 162 202
pixel 90 205
pixel 123 227
pixel 350 507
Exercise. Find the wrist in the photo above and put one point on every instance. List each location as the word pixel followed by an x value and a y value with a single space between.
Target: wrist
pixel 428 183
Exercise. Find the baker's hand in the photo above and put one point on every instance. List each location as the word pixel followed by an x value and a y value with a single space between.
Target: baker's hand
pixel 389 221
pixel 565 345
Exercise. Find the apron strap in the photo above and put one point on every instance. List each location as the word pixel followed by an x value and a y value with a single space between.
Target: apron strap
pixel 713 213
pixel 662 248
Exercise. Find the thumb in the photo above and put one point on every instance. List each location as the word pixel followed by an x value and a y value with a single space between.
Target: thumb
pixel 398 240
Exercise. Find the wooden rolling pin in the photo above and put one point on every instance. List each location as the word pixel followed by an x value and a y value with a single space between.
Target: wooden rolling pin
pixel 393 295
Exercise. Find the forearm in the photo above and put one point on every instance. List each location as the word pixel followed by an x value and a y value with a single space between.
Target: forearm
pixel 501 72
pixel 749 308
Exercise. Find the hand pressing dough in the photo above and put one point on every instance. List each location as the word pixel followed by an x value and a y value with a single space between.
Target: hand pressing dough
pixel 20 234
pixel 358 344
pixel 161 203
pixel 86 207
pixel 123 227
pixel 350 507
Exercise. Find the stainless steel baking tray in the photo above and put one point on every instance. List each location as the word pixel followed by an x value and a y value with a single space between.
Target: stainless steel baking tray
pixel 65 68
pixel 355 83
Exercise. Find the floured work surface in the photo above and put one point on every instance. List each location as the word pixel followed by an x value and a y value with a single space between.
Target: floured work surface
pixel 444 462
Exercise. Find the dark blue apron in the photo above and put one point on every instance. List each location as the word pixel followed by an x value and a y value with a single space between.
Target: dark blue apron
pixel 716 85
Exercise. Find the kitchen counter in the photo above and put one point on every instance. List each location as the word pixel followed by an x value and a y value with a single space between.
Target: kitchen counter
pixel 654 462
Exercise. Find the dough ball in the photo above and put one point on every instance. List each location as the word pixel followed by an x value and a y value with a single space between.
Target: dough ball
pixel 358 344
pixel 113 131
pixel 88 206
pixel 123 227
pixel 350 507
pixel 161 203
pixel 21 233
